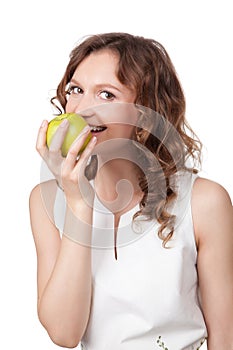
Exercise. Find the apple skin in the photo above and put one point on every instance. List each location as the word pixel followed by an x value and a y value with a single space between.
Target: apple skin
pixel 76 125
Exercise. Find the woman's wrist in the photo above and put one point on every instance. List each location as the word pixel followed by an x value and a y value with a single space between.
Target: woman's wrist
pixel 78 222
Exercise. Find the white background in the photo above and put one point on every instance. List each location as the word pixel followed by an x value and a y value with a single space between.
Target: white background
pixel 36 39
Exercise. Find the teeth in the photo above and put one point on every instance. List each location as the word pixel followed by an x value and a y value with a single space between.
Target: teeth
pixel 97 128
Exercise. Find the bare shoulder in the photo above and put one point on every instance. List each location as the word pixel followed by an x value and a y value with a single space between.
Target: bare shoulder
pixel 41 207
pixel 43 194
pixel 36 192
pixel 212 208
pixel 213 225
pixel 204 186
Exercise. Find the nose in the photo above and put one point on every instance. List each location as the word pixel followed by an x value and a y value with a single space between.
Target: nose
pixel 85 106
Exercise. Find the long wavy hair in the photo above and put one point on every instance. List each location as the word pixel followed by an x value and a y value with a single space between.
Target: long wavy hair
pixel 145 66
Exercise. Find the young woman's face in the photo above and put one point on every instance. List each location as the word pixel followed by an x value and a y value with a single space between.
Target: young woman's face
pixel 93 91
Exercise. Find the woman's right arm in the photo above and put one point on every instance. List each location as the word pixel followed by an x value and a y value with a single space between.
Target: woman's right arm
pixel 64 264
pixel 63 275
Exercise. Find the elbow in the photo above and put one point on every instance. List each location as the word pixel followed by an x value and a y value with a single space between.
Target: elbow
pixel 63 341
pixel 60 335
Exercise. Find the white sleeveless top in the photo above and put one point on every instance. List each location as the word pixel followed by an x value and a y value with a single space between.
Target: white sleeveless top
pixel 147 299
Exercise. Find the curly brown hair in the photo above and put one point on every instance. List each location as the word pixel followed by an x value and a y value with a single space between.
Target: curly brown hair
pixel 145 66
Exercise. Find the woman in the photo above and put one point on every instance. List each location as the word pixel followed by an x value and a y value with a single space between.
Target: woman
pixel 170 285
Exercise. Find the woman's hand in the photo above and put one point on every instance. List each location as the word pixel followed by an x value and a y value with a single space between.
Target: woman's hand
pixel 52 156
pixel 69 171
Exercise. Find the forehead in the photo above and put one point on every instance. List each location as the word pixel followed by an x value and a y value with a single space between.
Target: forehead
pixel 100 68
pixel 103 62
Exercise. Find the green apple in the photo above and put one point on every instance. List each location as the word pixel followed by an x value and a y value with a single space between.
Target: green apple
pixel 76 125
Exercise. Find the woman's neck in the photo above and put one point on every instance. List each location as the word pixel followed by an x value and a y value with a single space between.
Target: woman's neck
pixel 117 184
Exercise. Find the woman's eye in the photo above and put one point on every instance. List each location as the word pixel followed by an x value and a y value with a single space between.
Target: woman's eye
pixel 75 90
pixel 107 95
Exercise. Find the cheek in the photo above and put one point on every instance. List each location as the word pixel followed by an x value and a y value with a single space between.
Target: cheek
pixel 122 131
pixel 68 108
pixel 71 106
pixel 130 132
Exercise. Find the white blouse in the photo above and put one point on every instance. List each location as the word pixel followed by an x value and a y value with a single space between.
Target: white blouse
pixel 147 299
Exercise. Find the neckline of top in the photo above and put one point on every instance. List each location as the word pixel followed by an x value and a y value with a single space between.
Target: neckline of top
pixel 99 206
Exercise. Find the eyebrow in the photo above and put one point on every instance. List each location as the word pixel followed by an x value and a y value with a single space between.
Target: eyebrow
pixel 102 85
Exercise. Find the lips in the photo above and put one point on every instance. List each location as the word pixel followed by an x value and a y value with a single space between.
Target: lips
pixel 97 128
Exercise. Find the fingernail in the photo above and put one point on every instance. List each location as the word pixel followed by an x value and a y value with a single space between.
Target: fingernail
pixel 64 123
pixel 43 124
pixel 86 129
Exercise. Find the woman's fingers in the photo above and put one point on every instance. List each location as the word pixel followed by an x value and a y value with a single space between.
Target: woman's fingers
pixel 58 138
pixel 67 169
pixel 41 139
pixel 73 152
pixel 52 155
pixel 56 142
pixel 75 184
pixel 88 150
